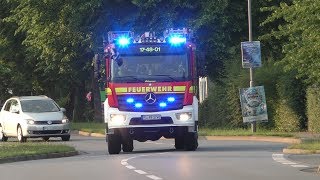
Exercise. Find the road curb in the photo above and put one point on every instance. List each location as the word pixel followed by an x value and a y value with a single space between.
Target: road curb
pixel 254 138
pixel 223 138
pixel 299 151
pixel 84 133
pixel 37 157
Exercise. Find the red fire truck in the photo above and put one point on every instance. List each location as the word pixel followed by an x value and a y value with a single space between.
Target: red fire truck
pixel 151 89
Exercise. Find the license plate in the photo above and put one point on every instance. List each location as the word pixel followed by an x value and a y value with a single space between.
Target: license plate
pixel 151 117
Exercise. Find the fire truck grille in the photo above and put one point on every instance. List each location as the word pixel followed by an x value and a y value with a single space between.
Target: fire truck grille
pixel 124 105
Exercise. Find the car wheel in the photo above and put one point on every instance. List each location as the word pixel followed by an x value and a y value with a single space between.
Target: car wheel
pixel 65 138
pixel 2 136
pixel 20 135
pixel 45 138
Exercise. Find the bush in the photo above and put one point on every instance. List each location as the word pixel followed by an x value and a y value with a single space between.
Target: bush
pixel 290 108
pixel 313 109
pixel 284 94
pixel 286 119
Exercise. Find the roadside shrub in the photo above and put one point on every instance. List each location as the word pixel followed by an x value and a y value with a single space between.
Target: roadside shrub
pixel 313 109
pixel 290 111
pixel 212 112
pixel 286 119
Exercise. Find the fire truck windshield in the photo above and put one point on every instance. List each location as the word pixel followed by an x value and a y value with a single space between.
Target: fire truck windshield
pixel 155 68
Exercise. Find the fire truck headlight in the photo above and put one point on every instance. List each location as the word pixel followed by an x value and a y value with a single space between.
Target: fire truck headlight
pixel 184 116
pixel 117 119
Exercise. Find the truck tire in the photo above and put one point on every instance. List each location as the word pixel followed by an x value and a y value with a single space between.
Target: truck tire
pixel 114 144
pixel 127 145
pixel 191 141
pixel 179 143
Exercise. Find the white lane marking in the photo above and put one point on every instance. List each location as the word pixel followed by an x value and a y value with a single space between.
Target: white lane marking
pixel 154 177
pixel 280 159
pixel 130 167
pixel 300 165
pixel 290 163
pixel 140 172
pixel 125 163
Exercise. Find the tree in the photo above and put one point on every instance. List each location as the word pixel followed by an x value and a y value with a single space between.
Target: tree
pixel 301 51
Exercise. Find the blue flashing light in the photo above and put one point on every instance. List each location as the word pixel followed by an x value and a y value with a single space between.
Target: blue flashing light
pixel 176 40
pixel 171 99
pixel 163 104
pixel 138 105
pixel 130 100
pixel 123 41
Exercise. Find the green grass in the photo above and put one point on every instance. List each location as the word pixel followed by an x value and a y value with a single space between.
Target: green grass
pixel 100 128
pixel 312 145
pixel 242 132
pixel 89 127
pixel 13 149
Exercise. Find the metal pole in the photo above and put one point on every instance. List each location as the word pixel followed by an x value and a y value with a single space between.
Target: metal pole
pixel 253 124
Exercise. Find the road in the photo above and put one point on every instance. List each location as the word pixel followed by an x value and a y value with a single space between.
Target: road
pixel 221 160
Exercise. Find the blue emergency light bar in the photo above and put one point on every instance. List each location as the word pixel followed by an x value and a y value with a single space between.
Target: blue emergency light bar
pixel 172 36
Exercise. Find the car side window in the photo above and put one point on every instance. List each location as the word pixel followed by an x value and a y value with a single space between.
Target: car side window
pixel 7 105
pixel 14 106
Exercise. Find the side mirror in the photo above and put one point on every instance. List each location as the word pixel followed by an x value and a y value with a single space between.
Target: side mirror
pixel 63 110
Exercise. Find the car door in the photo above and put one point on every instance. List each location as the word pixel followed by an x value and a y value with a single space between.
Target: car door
pixel 13 117
pixel 4 116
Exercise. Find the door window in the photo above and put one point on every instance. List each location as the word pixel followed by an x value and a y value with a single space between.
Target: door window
pixel 7 105
pixel 14 106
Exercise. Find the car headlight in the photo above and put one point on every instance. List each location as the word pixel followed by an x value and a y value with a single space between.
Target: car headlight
pixel 30 121
pixel 117 119
pixel 184 116
pixel 65 121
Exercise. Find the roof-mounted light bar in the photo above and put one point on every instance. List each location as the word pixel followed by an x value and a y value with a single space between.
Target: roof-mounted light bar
pixel 171 36
pixel 121 38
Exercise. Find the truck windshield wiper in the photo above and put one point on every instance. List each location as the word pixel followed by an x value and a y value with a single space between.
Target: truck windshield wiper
pixel 129 77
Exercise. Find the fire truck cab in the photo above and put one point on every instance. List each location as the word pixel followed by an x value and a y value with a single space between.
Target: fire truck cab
pixel 151 86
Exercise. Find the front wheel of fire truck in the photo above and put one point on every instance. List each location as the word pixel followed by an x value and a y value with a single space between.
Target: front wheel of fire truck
pixel 127 145
pixel 114 144
pixel 191 141
pixel 179 142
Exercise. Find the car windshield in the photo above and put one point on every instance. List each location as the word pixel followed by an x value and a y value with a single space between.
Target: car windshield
pixel 39 106
pixel 157 68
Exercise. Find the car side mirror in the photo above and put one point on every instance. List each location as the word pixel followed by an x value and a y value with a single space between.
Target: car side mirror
pixel 63 110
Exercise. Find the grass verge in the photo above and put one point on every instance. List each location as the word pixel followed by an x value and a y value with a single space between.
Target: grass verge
pixel 242 132
pixel 100 128
pixel 89 127
pixel 13 149
pixel 312 145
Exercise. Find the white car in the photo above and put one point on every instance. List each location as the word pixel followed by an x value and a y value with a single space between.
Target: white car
pixel 33 117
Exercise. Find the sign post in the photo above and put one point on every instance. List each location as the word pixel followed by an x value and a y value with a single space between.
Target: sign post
pixel 251 58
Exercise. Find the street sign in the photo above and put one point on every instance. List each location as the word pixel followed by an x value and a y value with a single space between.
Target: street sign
pixel 253 104
pixel 251 54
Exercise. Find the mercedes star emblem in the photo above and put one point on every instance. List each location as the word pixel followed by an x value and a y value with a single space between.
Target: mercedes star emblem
pixel 150 98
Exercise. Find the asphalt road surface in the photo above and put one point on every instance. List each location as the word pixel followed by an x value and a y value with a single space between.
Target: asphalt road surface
pixel 219 160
